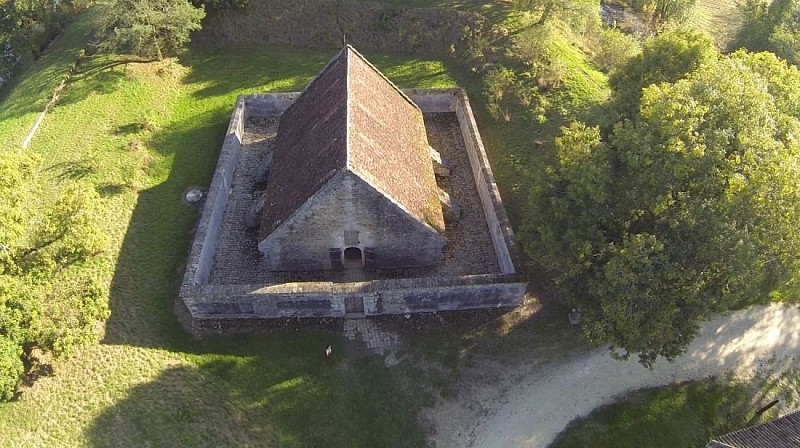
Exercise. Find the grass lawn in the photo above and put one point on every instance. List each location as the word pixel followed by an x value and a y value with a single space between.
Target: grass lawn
pixel 141 134
pixel 24 97
pixel 720 18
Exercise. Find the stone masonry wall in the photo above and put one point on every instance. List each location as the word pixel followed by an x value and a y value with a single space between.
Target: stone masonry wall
pixel 201 256
pixel 326 299
pixel 499 225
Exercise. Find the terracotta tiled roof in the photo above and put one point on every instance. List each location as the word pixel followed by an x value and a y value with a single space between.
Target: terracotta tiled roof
pixel 782 432
pixel 352 117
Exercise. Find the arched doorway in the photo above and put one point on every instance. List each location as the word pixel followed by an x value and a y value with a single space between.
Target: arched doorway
pixel 353 258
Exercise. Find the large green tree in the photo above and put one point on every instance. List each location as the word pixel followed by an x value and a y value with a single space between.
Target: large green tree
pixel 49 298
pixel 149 28
pixel 688 207
pixel 671 57
pixel 576 13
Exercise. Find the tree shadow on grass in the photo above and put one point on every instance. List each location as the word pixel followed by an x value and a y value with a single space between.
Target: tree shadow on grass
pixel 92 79
pixel 238 69
pixel 35 82
pixel 276 391
pixel 73 169
pixel 290 69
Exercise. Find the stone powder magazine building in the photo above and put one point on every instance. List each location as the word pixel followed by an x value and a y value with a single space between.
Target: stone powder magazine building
pixel 352 198
pixel 352 183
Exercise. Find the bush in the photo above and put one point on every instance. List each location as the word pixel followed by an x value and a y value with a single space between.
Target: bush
pixel 49 298
pixel 11 367
pixel 612 48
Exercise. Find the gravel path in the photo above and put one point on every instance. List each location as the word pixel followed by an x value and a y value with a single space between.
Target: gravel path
pixel 530 406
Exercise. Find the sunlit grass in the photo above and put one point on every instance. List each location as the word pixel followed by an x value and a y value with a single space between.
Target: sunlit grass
pixel 25 95
pixel 720 18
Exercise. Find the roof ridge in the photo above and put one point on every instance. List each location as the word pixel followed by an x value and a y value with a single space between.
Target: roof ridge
pixel 375 69
pixel 347 114
pixel 319 73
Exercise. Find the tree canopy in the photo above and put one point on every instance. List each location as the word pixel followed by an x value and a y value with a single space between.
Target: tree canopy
pixel 49 299
pixel 149 28
pixel 27 26
pixel 658 13
pixel 687 206
pixel 771 26
pixel 669 58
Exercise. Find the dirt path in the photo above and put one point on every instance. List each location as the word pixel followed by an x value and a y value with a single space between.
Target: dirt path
pixel 527 406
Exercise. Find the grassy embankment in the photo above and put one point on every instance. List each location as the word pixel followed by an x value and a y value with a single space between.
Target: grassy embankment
pixel 141 134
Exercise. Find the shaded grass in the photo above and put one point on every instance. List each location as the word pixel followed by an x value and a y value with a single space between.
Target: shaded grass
pixel 681 415
pixel 489 9
pixel 256 391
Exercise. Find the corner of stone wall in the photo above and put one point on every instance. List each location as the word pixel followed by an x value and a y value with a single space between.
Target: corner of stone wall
pixel 185 318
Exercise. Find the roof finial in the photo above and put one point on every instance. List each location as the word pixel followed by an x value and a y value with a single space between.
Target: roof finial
pixel 344 39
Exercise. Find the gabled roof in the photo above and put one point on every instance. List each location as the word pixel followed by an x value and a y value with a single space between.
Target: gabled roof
pixel 351 117
pixel 782 432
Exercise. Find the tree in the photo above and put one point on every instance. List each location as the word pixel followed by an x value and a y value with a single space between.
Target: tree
pixel 689 207
pixel 220 5
pixel 49 298
pixel 578 14
pixel 149 28
pixel 658 13
pixel 669 57
pixel 11 367
pixel 771 26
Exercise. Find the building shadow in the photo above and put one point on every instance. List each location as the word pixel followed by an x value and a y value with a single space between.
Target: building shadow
pixel 156 243
pixel 286 68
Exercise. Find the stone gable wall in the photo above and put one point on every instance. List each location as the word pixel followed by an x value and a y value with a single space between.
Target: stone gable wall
pixel 348 203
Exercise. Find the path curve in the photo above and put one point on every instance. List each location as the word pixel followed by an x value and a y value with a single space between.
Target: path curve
pixel 536 405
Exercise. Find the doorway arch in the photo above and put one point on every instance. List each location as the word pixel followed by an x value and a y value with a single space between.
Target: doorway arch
pixel 353 258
